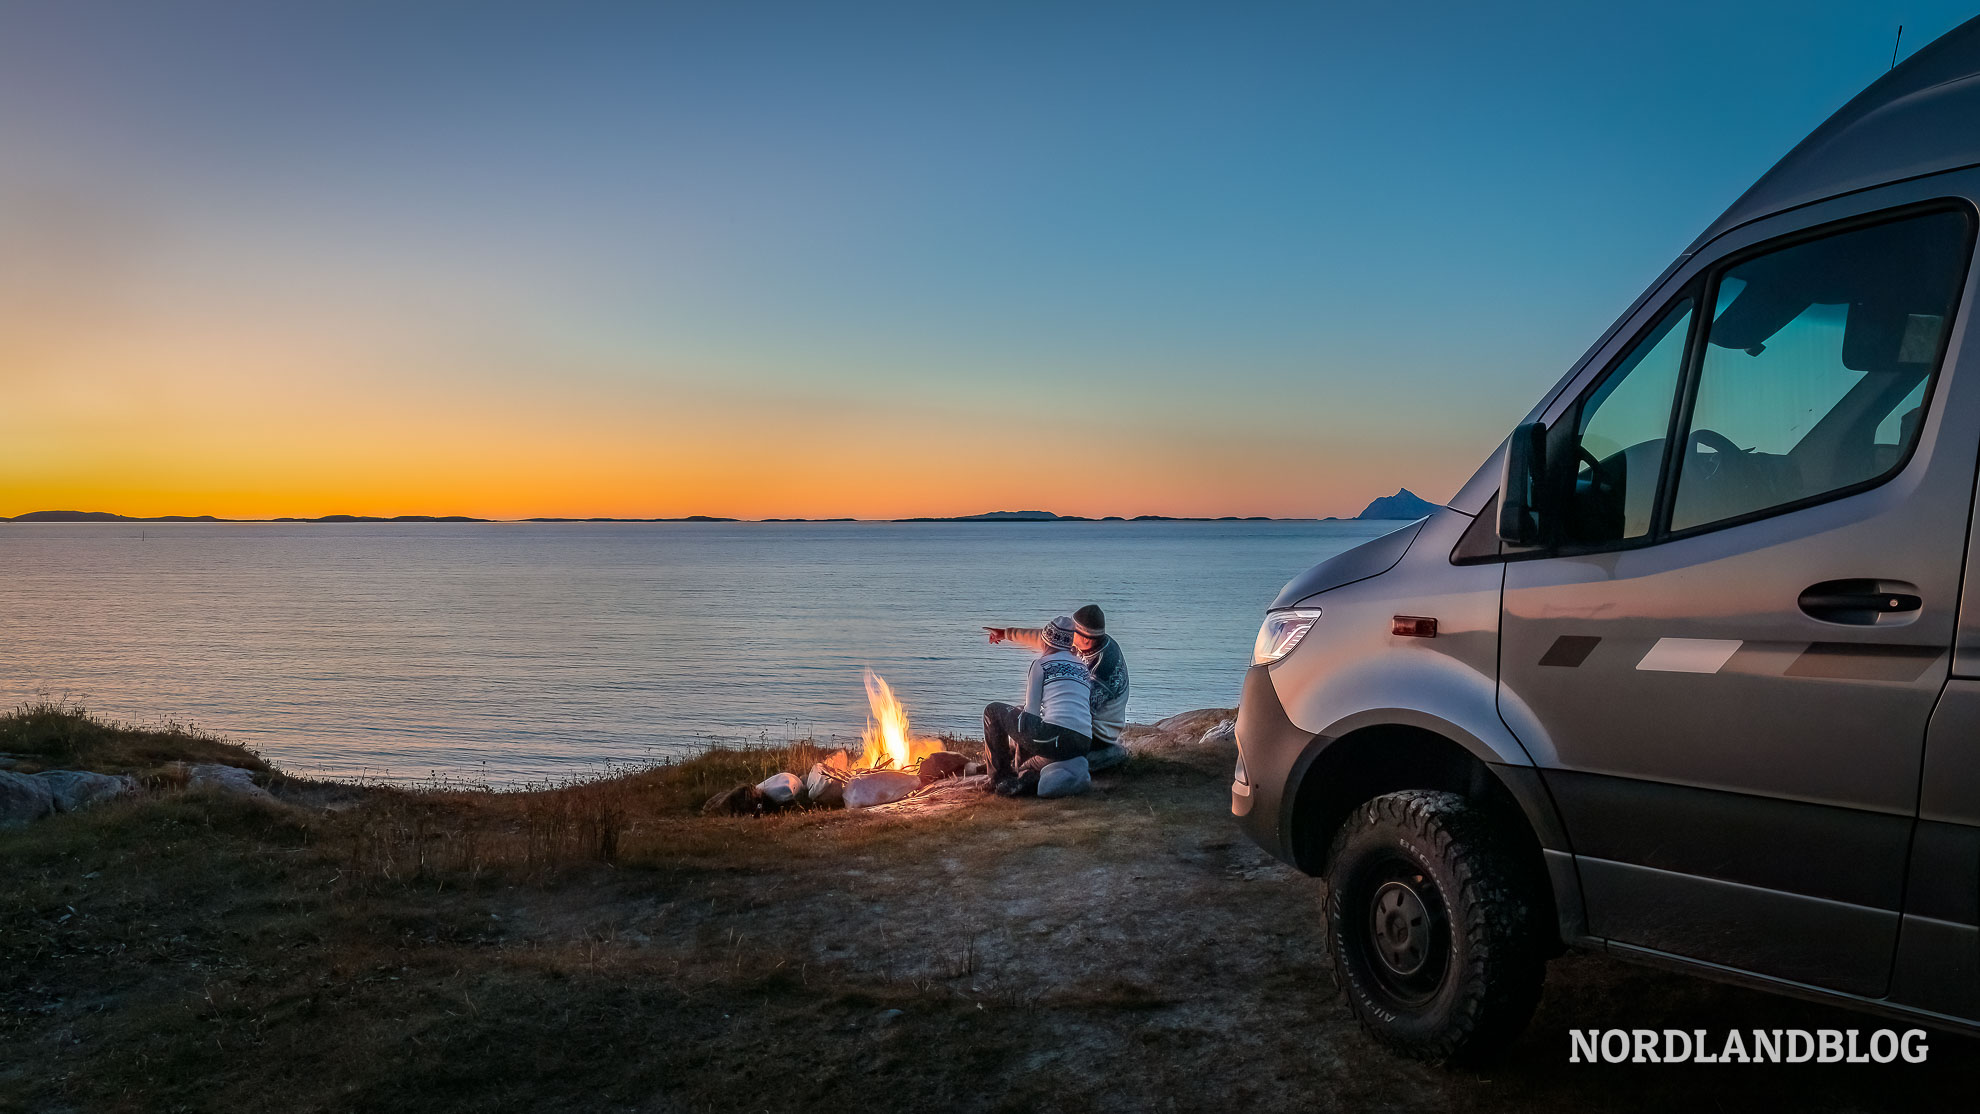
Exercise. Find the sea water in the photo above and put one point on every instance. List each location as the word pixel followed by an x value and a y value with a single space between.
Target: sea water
pixel 511 653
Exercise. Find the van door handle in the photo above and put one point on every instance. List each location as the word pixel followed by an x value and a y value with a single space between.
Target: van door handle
pixel 1860 602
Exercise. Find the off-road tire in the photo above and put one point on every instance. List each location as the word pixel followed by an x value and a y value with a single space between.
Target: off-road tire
pixel 1473 985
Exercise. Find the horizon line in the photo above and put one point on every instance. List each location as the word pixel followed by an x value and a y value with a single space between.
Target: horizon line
pixel 77 516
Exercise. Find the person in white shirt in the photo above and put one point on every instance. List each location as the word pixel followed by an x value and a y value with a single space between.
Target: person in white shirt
pixel 1104 663
pixel 1056 721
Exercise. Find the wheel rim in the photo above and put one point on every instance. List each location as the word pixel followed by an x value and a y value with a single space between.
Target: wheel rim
pixel 1407 941
pixel 1401 929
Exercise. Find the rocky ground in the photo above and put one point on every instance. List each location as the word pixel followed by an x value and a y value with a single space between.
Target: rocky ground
pixel 605 947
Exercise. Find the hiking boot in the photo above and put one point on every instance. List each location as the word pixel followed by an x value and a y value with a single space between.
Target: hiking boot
pixel 1008 787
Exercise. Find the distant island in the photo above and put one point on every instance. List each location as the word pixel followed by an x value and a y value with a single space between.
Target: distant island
pixel 106 516
pixel 1404 504
pixel 688 518
pixel 1048 516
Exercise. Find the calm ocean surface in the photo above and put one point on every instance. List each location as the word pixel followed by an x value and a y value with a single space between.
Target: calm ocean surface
pixel 511 653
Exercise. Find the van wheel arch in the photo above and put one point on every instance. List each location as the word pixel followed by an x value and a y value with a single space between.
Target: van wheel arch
pixel 1387 758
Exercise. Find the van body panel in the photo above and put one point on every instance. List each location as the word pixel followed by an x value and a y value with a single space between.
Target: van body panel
pixel 1938 962
pixel 1699 695
pixel 1921 118
pixel 1763 721
pixel 1273 756
pixel 1950 793
pixel 1938 967
pixel 1751 928
pixel 1371 558
pixel 1832 853
pixel 1481 487
pixel 1879 1006
pixel 1352 672
pixel 1351 669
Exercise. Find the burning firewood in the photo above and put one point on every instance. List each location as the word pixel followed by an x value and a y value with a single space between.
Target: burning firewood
pixel 890 766
pixel 941 764
pixel 824 787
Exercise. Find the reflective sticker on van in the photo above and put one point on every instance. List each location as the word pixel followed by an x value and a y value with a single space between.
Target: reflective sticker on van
pixel 1689 655
pixel 1853 661
pixel 1570 650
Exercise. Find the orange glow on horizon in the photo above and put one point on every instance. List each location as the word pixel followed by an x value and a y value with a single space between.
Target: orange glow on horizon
pixel 250 424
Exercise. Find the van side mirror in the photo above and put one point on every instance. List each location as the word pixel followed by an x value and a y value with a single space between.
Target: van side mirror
pixel 1520 485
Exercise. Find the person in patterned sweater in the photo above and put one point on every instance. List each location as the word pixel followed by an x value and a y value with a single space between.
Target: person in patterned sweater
pixel 1056 721
pixel 1106 666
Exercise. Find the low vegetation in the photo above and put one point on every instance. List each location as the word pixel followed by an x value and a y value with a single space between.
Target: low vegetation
pixel 601 945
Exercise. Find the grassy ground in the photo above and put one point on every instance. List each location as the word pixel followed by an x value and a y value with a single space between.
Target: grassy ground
pixel 604 947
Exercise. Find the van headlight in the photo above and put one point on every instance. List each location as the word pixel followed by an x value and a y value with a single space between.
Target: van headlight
pixel 1281 632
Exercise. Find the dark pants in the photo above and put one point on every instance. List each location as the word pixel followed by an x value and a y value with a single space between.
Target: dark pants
pixel 1011 735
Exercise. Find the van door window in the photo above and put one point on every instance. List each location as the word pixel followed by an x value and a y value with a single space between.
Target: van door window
pixel 1621 435
pixel 1817 367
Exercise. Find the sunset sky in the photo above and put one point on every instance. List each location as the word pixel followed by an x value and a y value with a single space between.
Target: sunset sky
pixel 875 260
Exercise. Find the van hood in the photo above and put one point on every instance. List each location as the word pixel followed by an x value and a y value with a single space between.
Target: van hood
pixel 1371 558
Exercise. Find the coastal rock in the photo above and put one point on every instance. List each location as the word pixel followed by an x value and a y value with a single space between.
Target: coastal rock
pixel 23 798
pixel 1225 732
pixel 781 788
pixel 226 779
pixel 823 788
pixel 1105 757
pixel 1193 723
pixel 942 764
pixel 879 787
pixel 74 789
pixel 1065 779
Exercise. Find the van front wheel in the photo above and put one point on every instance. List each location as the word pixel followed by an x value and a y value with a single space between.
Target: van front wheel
pixel 1433 921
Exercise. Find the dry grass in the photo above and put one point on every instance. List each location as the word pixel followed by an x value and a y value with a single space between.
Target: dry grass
pixel 600 946
pixel 61 735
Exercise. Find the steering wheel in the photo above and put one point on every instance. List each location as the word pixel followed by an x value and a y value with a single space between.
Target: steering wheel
pixel 1599 475
pixel 1722 449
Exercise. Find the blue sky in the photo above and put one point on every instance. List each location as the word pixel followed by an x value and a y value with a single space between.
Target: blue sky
pixel 859 259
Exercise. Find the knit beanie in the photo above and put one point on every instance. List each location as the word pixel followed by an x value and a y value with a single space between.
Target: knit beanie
pixel 1059 633
pixel 1096 629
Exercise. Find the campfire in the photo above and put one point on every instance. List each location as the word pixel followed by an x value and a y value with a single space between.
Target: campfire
pixel 892 765
pixel 886 743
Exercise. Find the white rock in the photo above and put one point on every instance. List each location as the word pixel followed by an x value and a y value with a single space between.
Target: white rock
pixel 1224 732
pixel 1065 779
pixel 74 789
pixel 227 779
pixel 879 787
pixel 23 798
pixel 822 789
pixel 781 788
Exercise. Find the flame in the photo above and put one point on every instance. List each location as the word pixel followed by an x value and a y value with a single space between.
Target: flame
pixel 886 743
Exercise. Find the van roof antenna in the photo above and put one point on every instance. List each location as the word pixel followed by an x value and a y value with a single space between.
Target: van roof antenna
pixel 1894 45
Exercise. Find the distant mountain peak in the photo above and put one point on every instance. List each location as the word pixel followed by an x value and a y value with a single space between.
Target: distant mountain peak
pixel 1404 504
